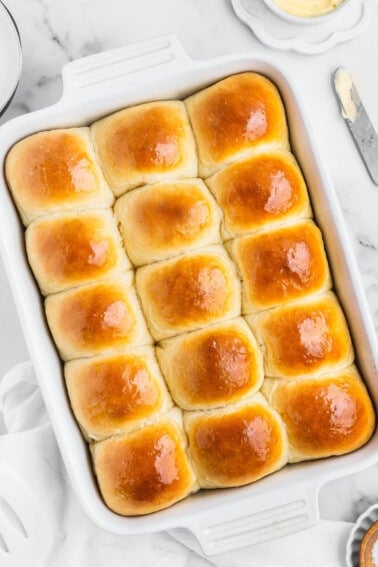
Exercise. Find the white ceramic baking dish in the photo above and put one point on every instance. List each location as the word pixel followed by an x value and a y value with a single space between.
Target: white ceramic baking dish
pixel 222 520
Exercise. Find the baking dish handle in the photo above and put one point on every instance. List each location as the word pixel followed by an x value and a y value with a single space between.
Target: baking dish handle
pixel 274 515
pixel 132 65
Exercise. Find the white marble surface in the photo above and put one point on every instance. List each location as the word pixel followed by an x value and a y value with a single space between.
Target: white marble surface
pixel 55 32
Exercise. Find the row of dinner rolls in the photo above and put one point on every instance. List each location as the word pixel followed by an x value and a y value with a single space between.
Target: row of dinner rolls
pixel 150 143
pixel 223 316
pixel 187 293
pixel 153 466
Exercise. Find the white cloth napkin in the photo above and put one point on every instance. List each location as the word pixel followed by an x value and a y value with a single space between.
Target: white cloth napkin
pixel 30 451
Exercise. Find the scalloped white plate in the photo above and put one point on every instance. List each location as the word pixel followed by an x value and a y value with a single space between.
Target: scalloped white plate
pixel 10 57
pixel 357 533
pixel 275 32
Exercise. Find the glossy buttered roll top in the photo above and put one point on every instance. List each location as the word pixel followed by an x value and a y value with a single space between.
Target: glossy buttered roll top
pixel 96 319
pixel 165 219
pixel 115 393
pixel 238 444
pixel 145 144
pixel 145 470
pixel 304 338
pixel 326 415
pixel 265 189
pixel 188 292
pixel 55 171
pixel 71 249
pixel 212 367
pixel 234 118
pixel 280 265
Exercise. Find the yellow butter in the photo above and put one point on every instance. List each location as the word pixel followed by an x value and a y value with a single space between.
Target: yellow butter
pixel 307 8
pixel 344 86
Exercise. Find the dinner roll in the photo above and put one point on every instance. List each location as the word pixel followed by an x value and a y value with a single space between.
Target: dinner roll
pixel 304 338
pixel 146 470
pixel 144 144
pixel 55 171
pixel 188 292
pixel 69 249
pixel 236 445
pixel 280 265
pixel 264 189
pixel 165 219
pixel 115 393
pixel 325 415
pixel 212 367
pixel 96 319
pixel 234 118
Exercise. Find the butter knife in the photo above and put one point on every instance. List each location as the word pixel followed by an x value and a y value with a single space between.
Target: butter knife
pixel 358 121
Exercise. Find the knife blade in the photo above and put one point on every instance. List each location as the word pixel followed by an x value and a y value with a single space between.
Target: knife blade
pixel 358 121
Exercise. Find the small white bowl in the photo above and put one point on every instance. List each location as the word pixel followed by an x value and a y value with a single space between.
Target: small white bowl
pixel 279 33
pixel 357 533
pixel 10 57
pixel 305 20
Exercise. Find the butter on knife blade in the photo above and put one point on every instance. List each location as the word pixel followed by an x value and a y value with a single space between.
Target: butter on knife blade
pixel 358 121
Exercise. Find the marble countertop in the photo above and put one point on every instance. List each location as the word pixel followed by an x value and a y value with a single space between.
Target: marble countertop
pixel 54 32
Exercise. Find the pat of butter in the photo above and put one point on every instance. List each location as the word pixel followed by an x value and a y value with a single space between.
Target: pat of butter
pixel 344 86
pixel 307 8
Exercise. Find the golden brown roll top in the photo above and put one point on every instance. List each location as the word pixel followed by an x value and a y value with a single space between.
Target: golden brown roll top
pixel 234 118
pixel 165 219
pixel 188 292
pixel 69 249
pixel 236 445
pixel 261 190
pixel 304 338
pixel 115 393
pixel 55 171
pixel 324 416
pixel 212 367
pixel 145 144
pixel 146 470
pixel 280 265
pixel 96 319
